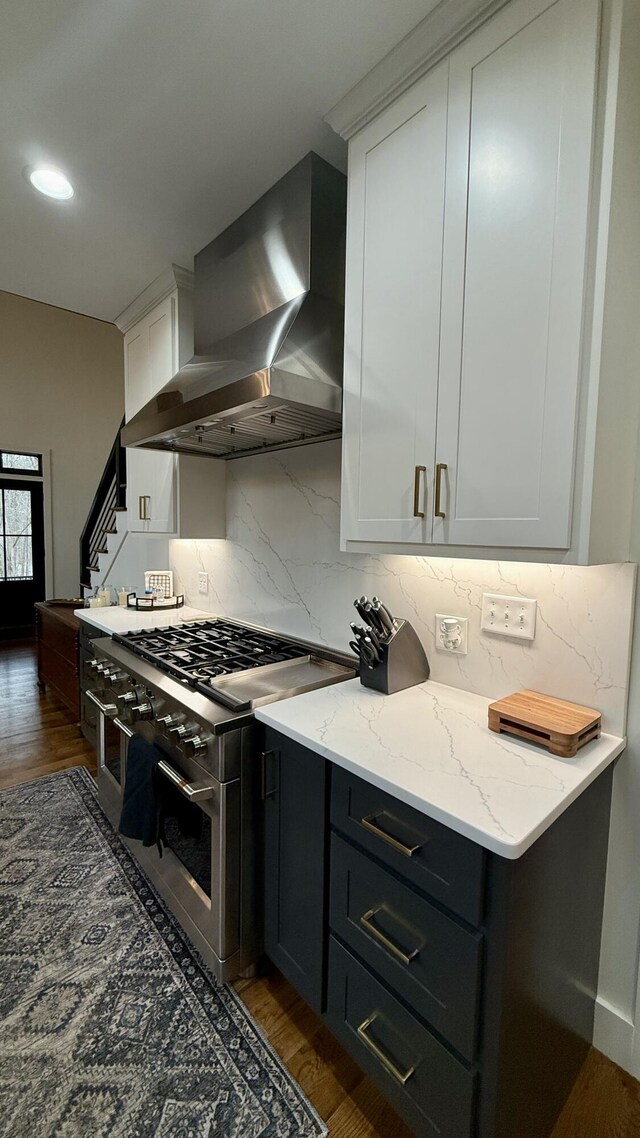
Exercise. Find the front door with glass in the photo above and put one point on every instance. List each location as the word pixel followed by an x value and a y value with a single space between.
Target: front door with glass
pixel 22 580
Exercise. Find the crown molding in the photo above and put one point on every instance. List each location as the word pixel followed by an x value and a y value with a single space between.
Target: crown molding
pixel 173 277
pixel 450 22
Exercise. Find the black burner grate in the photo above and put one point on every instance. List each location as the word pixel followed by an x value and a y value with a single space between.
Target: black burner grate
pixel 201 652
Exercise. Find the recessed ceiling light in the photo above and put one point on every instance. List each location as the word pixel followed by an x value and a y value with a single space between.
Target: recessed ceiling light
pixel 51 182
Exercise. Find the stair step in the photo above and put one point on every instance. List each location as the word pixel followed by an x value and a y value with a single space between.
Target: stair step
pixel 105 550
pixel 120 509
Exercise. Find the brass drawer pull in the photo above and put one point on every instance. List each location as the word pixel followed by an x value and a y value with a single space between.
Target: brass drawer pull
pixel 417 512
pixel 366 920
pixel 144 507
pixel 437 509
pixel 401 1076
pixel 369 824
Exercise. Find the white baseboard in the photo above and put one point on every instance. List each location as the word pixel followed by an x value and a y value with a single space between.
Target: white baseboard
pixel 613 1034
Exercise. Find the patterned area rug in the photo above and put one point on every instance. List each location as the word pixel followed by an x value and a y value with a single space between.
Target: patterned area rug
pixel 112 1026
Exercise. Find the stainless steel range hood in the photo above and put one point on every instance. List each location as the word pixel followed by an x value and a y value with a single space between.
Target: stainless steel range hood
pixel 269 313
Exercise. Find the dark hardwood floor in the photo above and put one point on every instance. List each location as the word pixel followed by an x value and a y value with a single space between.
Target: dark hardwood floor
pixel 39 736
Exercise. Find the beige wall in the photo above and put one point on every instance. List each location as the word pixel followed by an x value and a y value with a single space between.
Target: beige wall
pixel 61 390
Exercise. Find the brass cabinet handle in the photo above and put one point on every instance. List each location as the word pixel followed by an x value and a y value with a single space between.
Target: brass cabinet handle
pixel 417 512
pixel 437 509
pixel 144 507
pixel 369 824
pixel 401 1076
pixel 366 922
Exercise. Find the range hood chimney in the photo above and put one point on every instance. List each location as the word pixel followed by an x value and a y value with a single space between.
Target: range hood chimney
pixel 269 316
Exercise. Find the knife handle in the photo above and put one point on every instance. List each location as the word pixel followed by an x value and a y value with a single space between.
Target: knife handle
pixel 384 616
pixel 417 512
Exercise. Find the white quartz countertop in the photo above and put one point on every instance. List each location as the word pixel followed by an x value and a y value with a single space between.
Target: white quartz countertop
pixel 116 619
pixel 430 746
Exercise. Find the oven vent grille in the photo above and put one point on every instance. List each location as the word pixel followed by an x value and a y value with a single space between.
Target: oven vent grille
pixel 266 430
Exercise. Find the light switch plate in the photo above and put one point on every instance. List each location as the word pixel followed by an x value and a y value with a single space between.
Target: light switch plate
pixel 509 616
pixel 203 582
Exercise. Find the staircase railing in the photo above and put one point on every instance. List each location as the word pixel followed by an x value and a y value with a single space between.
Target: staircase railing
pixel 110 499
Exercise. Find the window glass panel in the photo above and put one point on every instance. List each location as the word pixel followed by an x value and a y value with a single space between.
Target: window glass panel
pixel 19 557
pixel 1 560
pixel 20 461
pixel 17 512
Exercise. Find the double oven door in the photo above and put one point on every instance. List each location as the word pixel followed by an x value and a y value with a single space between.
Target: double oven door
pixel 198 873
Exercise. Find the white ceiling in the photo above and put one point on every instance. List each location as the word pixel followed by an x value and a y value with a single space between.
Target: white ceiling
pixel 170 117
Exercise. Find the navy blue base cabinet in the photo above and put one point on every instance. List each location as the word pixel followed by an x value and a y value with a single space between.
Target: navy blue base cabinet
pixel 462 983
pixel 294 788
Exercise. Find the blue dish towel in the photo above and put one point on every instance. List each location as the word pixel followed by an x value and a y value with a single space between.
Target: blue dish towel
pixel 140 816
pixel 149 800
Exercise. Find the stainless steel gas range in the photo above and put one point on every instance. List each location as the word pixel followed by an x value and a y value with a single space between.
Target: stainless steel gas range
pixel 191 689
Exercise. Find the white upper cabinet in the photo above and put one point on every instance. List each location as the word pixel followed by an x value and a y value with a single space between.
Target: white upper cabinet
pixel 163 342
pixel 166 494
pixel 518 164
pixel 137 382
pixel 392 331
pixel 158 337
pixel 477 251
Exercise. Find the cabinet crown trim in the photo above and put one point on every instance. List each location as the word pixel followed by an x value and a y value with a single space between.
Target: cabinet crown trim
pixel 450 22
pixel 171 278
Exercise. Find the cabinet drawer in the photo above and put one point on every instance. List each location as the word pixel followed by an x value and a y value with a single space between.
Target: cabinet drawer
pixel 430 1089
pixel 55 634
pixel 428 958
pixel 62 677
pixel 442 863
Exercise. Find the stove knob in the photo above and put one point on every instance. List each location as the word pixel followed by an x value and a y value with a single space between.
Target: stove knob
pixel 142 710
pixel 94 664
pixel 195 745
pixel 114 677
pixel 166 723
pixel 127 698
pixel 178 733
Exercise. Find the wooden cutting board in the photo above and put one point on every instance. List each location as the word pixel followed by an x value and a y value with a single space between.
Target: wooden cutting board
pixel 563 728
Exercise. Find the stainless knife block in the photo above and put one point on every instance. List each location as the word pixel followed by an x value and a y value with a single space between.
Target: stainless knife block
pixel 404 662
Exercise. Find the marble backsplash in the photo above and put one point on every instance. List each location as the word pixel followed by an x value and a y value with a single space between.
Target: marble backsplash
pixel 281 567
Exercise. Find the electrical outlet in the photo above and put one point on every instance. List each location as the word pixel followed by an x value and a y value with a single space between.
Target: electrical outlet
pixel 509 616
pixel 203 582
pixel 452 634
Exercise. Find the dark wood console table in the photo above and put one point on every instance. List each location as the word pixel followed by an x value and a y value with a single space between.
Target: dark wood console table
pixel 58 633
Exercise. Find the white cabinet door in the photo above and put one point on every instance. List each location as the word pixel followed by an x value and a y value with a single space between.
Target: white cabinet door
pixel 150 354
pixel 521 97
pixel 137 373
pixel 151 491
pixel 394 257
pixel 162 340
pixel 150 362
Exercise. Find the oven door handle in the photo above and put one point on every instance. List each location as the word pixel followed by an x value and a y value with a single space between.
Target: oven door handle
pixel 106 708
pixel 123 727
pixel 193 791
